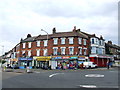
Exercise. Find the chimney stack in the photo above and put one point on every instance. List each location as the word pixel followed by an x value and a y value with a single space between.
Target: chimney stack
pixel 54 30
pixel 74 29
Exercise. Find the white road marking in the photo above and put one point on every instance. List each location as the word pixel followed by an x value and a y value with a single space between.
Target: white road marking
pixel 88 86
pixel 55 74
pixel 94 86
pixel 37 72
pixel 94 75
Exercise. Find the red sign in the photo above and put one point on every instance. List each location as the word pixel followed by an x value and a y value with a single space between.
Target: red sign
pixel 67 57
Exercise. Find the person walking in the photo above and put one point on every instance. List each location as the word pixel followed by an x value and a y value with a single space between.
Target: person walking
pixel 108 64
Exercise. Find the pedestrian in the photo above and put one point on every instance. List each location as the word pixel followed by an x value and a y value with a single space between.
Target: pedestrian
pixel 108 64
pixel 81 65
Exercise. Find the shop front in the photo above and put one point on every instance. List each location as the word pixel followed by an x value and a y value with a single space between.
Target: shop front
pixel 25 62
pixel 101 60
pixel 13 62
pixel 82 59
pixel 42 62
pixel 64 62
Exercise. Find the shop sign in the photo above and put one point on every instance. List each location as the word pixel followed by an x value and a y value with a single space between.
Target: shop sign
pixel 21 58
pixel 81 58
pixel 73 57
pixel 67 57
pixel 45 58
pixel 57 57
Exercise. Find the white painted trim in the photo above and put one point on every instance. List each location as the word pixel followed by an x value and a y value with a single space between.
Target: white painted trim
pixel 62 47
pixel 55 47
pixel 71 47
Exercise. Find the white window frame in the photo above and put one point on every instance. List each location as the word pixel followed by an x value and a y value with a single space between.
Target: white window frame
pixel 62 40
pixel 71 41
pixel 80 50
pixel 23 51
pixel 45 52
pixel 38 43
pixel 85 51
pixel 45 42
pixel 24 44
pixel 63 50
pixel 80 40
pixel 29 44
pixel 29 53
pixel 93 41
pixel 55 52
pixel 37 52
pixel 71 53
pixel 55 41
pixel 84 41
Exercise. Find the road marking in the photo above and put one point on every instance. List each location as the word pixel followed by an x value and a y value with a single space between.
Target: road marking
pixel 88 86
pixel 55 74
pixel 94 86
pixel 94 75
pixel 37 72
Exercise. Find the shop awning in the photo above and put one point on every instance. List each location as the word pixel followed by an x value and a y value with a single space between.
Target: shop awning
pixel 45 58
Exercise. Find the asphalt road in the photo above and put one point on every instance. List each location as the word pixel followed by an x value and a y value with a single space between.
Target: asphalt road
pixel 62 79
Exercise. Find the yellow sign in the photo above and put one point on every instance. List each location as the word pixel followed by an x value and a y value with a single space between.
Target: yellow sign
pixel 15 59
pixel 45 58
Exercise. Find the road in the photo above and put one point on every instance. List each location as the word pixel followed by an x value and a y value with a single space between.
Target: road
pixel 62 79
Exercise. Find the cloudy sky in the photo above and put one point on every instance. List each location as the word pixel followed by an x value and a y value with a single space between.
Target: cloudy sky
pixel 20 17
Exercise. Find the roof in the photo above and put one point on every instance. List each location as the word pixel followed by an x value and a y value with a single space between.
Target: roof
pixel 62 34
pixel 29 39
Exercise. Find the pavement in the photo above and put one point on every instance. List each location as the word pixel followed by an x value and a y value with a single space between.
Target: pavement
pixel 41 70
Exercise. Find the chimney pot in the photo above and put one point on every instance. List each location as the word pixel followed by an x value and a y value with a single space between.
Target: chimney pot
pixel 54 30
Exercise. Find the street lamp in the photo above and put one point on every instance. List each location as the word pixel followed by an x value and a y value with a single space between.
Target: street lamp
pixel 45 32
pixel 2 52
pixel 47 36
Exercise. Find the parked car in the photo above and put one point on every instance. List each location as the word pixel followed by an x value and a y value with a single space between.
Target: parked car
pixel 15 66
pixel 89 65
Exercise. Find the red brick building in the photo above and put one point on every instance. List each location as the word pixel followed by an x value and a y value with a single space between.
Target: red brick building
pixel 65 48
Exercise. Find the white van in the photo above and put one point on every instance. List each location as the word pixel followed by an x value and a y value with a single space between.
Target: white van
pixel 89 65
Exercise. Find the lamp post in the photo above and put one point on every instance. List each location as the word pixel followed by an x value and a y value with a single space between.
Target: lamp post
pixel 47 39
pixel 45 32
pixel 2 52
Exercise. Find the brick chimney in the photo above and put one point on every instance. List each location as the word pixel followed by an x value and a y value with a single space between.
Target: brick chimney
pixel 54 30
pixel 78 30
pixel 74 30
pixel 110 42
pixel 29 35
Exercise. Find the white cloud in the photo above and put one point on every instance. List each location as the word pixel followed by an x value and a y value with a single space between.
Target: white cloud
pixel 20 17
